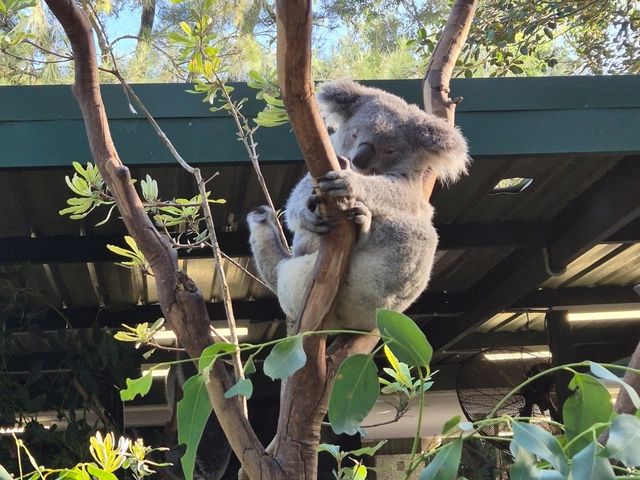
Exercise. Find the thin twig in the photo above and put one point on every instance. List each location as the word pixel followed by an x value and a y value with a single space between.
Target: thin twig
pixel 248 141
pixel 226 295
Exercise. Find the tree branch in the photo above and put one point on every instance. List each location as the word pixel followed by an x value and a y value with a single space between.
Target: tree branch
pixel 624 404
pixel 305 395
pixel 181 301
pixel 435 86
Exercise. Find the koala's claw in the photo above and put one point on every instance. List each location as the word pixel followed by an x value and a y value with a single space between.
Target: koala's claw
pixel 337 183
pixel 313 201
pixel 361 216
pixel 319 225
pixel 344 162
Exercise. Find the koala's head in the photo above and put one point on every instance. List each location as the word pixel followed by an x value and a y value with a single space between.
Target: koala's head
pixel 380 133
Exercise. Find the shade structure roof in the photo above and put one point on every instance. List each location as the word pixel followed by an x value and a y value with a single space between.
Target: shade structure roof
pixel 569 240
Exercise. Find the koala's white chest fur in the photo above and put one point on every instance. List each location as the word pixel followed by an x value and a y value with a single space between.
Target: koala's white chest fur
pixel 379 276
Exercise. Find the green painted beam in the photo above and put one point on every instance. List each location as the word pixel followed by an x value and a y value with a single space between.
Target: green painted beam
pixel 42 126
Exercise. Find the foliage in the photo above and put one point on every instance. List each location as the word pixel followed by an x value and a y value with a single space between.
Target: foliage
pixel 353 38
pixel 358 471
pixel 91 362
pixel 575 454
pixel 109 456
pixel 173 217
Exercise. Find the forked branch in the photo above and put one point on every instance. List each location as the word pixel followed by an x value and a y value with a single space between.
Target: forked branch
pixel 435 86
pixel 181 301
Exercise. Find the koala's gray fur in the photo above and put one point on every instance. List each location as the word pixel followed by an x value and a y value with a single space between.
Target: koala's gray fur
pixel 390 145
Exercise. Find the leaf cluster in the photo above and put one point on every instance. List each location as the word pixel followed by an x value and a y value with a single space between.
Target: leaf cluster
pixel 177 218
pixel 356 472
pixel 109 457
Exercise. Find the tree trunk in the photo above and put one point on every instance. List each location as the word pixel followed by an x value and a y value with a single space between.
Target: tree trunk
pixel 305 394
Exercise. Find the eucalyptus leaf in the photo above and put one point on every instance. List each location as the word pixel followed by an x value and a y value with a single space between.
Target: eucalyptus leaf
pixel 525 468
pixel 4 475
pixel 589 404
pixel 355 391
pixel 601 372
pixel 624 440
pixel 243 387
pixel 334 450
pixel 100 474
pixel 212 352
pixel 193 412
pixel 138 386
pixel 359 473
pixel 541 443
pixel 451 424
pixel 370 451
pixel 404 338
pixel 285 358
pixel 444 465
pixel 588 465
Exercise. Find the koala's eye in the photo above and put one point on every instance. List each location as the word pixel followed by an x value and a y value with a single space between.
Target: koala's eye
pixel 389 151
pixel 354 134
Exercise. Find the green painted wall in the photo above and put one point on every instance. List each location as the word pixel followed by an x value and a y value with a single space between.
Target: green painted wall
pixel 42 126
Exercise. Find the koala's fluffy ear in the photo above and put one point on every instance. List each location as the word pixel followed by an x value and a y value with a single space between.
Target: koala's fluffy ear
pixel 339 99
pixel 446 148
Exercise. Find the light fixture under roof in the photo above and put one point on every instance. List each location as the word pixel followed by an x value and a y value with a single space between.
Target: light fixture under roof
pixel 604 315
pixel 512 185
pixel 502 356
pixel 165 335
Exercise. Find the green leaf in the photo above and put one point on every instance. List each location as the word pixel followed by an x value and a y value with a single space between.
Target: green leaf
pixel 355 391
pixel 588 465
pixel 601 372
pixel 285 358
pixel 193 412
pixel 444 465
pixel 589 404
pixel 404 338
pixel 334 450
pixel 451 424
pixel 249 367
pixel 72 474
pixel 212 352
pixel 185 28
pixel 138 386
pixel 243 387
pixel 624 440
pixel 541 443
pixel 97 472
pixel 524 467
pixel 370 451
pixel 359 473
pixel 4 475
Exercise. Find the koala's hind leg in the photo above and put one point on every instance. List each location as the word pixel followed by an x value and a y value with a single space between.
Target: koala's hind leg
pixel 266 245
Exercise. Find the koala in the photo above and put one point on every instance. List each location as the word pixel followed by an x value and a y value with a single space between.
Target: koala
pixel 388 146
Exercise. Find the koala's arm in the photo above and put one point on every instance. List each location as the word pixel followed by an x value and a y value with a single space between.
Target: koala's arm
pixel 300 215
pixel 296 210
pixel 380 193
pixel 266 245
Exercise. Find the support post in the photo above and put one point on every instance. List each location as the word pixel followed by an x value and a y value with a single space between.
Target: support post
pixel 562 350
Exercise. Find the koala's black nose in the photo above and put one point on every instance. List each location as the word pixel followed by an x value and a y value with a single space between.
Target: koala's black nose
pixel 363 156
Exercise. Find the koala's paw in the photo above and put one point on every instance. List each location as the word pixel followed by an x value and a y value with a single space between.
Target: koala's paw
pixel 361 216
pixel 261 215
pixel 338 183
pixel 311 221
